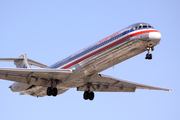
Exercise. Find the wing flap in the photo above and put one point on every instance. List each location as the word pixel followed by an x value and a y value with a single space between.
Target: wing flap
pixel 39 77
pixel 106 88
pixel 106 83
pixel 133 84
pixel 23 79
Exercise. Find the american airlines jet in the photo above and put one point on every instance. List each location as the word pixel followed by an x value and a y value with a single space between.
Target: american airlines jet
pixel 82 69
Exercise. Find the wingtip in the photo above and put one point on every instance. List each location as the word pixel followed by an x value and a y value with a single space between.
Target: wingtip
pixel 170 90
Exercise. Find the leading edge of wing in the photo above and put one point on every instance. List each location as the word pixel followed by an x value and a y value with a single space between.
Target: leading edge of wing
pixel 41 70
pixel 136 85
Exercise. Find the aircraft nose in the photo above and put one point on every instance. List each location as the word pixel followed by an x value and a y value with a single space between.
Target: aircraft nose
pixel 155 37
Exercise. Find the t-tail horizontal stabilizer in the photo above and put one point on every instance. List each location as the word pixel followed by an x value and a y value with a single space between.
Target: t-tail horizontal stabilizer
pixel 23 62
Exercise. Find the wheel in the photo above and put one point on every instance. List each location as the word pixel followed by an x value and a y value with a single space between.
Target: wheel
pixel 150 56
pixel 91 95
pixel 54 92
pixel 86 95
pixel 147 56
pixel 49 91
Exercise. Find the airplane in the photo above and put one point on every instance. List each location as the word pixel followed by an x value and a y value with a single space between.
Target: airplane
pixel 82 69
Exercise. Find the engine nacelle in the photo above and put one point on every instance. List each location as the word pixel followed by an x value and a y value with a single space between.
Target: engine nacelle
pixel 17 87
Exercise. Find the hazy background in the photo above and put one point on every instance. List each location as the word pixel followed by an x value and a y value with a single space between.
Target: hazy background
pixel 48 31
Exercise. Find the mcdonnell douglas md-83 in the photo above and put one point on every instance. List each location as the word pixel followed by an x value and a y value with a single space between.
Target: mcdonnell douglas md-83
pixel 82 69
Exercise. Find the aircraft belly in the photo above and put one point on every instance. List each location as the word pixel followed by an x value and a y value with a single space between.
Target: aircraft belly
pixel 108 59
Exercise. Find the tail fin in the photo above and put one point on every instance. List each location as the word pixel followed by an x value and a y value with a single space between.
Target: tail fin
pixel 23 62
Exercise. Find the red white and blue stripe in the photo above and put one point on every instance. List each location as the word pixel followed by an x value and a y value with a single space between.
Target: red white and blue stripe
pixel 103 45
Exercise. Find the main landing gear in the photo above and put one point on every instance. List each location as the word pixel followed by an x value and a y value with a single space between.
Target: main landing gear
pixel 52 91
pixel 88 95
pixel 148 55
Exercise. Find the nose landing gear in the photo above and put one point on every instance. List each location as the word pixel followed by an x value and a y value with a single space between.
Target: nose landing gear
pixel 148 55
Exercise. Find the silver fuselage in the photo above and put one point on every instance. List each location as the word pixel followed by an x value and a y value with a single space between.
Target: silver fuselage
pixel 102 55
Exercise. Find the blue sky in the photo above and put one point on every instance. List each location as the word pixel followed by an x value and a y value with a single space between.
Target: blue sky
pixel 48 31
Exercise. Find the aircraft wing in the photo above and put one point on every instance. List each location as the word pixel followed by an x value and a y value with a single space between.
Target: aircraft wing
pixel 104 83
pixel 40 77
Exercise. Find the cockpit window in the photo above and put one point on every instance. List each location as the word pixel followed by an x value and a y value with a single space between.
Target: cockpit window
pixel 144 26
